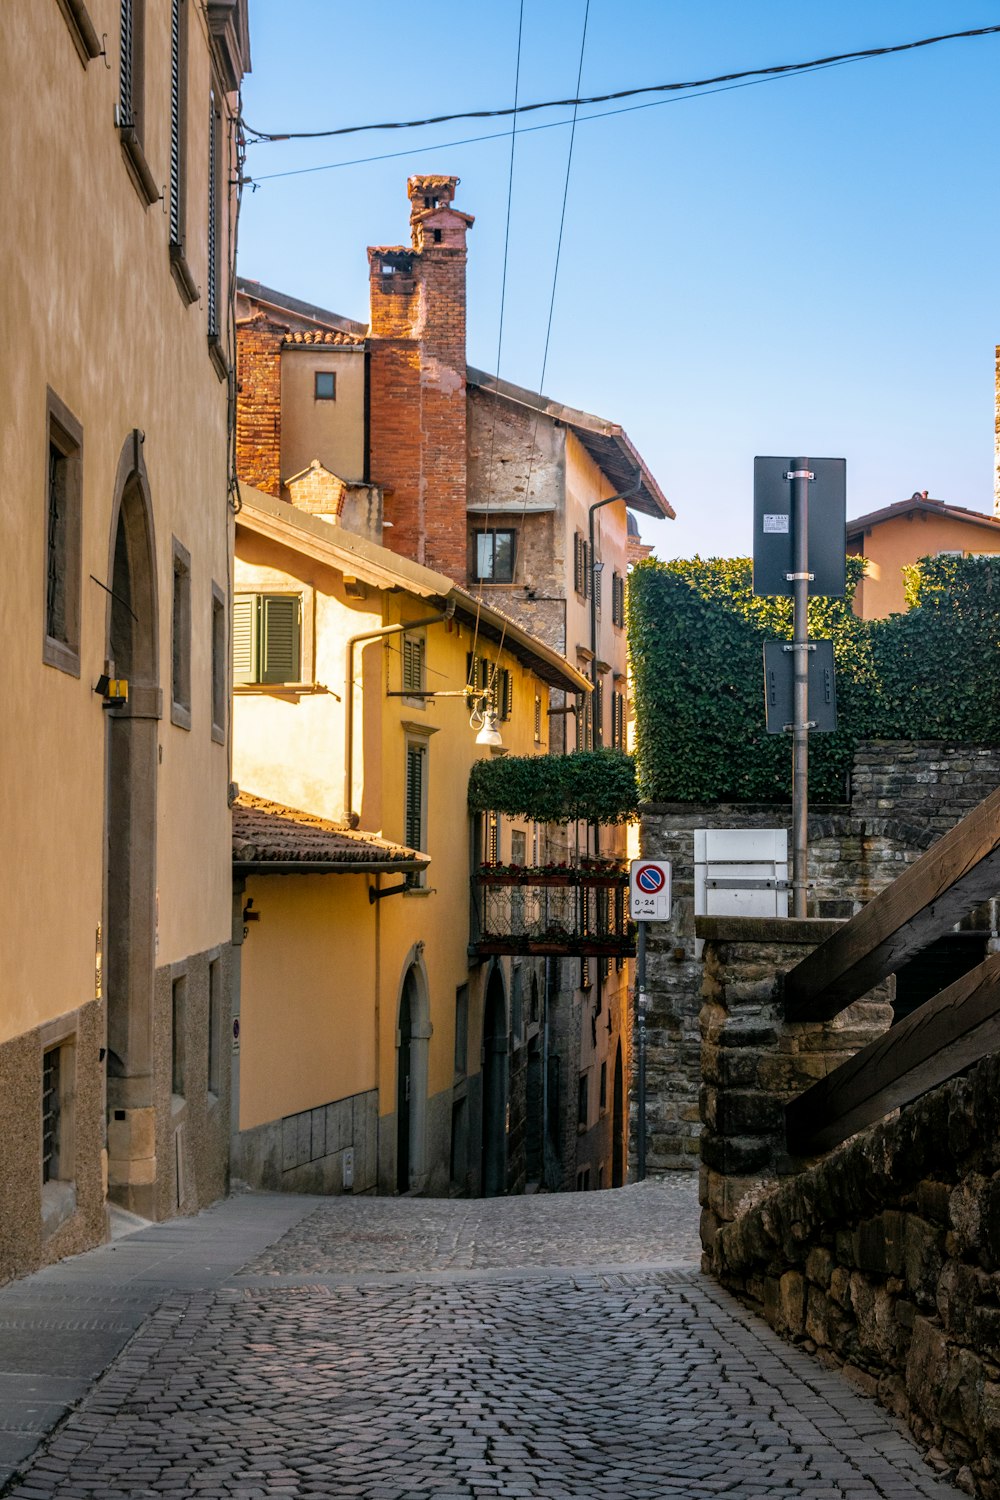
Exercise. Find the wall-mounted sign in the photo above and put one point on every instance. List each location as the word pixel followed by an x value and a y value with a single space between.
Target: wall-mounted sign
pixel 649 890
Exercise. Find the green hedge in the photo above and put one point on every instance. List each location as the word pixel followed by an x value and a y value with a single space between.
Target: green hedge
pixel 596 785
pixel 696 633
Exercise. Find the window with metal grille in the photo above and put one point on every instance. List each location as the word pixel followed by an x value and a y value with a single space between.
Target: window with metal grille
pixel 51 1113
pixel 178 1018
pixel 414 665
pixel 461 1030
pixel 414 834
pixel 266 638
pixel 212 290
pixel 219 694
pixel 180 676
pixel 617 600
pixel 494 556
pixel 214 1027
pixel 604 1086
pixel 581 565
pixel 583 1101
pixel 64 476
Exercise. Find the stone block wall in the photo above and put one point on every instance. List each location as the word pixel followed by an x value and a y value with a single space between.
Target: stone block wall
pixel 884 1260
pixel 753 1061
pixel 904 795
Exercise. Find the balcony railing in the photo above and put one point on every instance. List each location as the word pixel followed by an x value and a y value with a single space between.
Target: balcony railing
pixel 566 911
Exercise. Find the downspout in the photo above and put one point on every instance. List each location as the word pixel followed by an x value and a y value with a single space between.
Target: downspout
pixel 355 640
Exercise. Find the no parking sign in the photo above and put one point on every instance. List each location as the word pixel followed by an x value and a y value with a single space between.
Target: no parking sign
pixel 649 890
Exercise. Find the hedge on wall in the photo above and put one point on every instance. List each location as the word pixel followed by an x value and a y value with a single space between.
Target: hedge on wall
pixel 596 785
pixel 696 634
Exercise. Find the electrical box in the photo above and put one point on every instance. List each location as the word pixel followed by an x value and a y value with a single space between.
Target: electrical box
pixel 741 872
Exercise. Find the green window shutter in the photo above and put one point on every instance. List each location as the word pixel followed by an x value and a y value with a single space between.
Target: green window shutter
pixel 279 638
pixel 413 665
pixel 245 637
pixel 413 831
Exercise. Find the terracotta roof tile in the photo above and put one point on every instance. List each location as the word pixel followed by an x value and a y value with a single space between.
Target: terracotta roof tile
pixel 268 833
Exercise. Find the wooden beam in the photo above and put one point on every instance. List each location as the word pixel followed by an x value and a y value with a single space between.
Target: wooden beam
pixel 943 1037
pixel 957 873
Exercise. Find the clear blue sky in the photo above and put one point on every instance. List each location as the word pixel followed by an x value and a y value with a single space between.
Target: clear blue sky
pixel 807 265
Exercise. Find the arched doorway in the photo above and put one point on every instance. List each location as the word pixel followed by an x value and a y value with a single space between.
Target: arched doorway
pixel 618 1123
pixel 412 1045
pixel 494 1166
pixel 130 838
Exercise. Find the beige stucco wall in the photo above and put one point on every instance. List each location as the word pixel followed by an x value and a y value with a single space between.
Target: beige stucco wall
pixel 332 431
pixel 90 309
pixel 891 545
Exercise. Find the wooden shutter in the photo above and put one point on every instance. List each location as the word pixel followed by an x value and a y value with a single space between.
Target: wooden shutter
pixel 279 638
pixel 213 219
pixel 505 692
pixel 126 56
pixel 175 122
pixel 538 718
pixel 245 658
pixel 598 575
pixel 413 665
pixel 413 818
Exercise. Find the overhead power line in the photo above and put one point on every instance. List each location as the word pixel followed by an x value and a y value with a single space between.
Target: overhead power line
pixel 651 88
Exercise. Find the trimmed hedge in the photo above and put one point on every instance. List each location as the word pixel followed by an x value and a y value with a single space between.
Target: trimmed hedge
pixel 597 786
pixel 696 635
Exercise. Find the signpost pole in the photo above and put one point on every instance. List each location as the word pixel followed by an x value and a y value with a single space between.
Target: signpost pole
pixel 640 1007
pixel 800 477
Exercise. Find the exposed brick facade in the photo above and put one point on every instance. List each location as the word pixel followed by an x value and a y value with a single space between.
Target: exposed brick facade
pixel 258 411
pixel 418 377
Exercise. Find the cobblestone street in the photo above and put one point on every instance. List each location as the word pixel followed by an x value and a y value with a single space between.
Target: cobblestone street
pixel 544 1346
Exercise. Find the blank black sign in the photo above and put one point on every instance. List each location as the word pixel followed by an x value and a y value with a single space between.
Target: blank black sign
pixel 779 677
pixel 772 525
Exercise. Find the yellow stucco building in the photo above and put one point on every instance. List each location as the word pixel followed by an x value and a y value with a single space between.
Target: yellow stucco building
pixel 374 1052
pixel 898 535
pixel 114 327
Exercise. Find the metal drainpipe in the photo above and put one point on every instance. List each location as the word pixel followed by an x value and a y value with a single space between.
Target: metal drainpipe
pixel 355 640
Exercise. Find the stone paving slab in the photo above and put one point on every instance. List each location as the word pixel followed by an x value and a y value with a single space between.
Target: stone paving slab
pixel 552 1346
pixel 557 1386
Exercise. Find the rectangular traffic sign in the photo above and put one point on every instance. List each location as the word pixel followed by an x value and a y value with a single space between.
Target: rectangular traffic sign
pixel 779 675
pixel 773 540
pixel 649 890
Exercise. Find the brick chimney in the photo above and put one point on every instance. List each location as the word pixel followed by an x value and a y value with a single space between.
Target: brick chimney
pixel 418 398
pixel 258 410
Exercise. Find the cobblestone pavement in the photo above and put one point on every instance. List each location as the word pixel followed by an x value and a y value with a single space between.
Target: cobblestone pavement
pixel 561 1346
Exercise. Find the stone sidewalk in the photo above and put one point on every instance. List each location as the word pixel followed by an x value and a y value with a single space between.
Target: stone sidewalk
pixel 552 1346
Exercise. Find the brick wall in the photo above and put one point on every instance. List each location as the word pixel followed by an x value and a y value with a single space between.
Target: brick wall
pixel 418 382
pixel 258 410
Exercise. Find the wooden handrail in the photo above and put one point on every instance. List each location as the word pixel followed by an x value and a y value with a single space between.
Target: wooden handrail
pixel 941 1038
pixel 957 873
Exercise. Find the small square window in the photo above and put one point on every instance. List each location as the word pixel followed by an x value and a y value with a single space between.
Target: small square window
pixel 325 385
pixel 494 556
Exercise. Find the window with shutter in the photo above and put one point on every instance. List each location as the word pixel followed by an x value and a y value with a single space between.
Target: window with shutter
pixel 212 293
pixel 279 638
pixel 598 570
pixel 126 65
pixel 178 59
pixel 581 722
pixel 414 660
pixel 538 719
pixel 266 638
pixel 414 834
pixel 597 712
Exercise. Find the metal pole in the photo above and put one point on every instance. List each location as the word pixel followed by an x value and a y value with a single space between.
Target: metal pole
pixel 800 477
pixel 640 1009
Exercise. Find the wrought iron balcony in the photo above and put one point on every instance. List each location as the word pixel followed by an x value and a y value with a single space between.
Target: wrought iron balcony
pixel 578 911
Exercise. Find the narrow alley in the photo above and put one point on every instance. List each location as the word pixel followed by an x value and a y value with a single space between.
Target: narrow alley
pixel 550 1346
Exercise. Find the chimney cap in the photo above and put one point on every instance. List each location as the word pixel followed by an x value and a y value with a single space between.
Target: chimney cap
pixel 432 187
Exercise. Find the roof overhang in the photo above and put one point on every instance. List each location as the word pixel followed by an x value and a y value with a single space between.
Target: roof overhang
pixel 328 543
pixel 606 442
pixel 906 509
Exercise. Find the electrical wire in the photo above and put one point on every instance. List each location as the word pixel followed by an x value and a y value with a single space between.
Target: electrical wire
pixel 651 88
pixel 503 135
pixel 503 298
